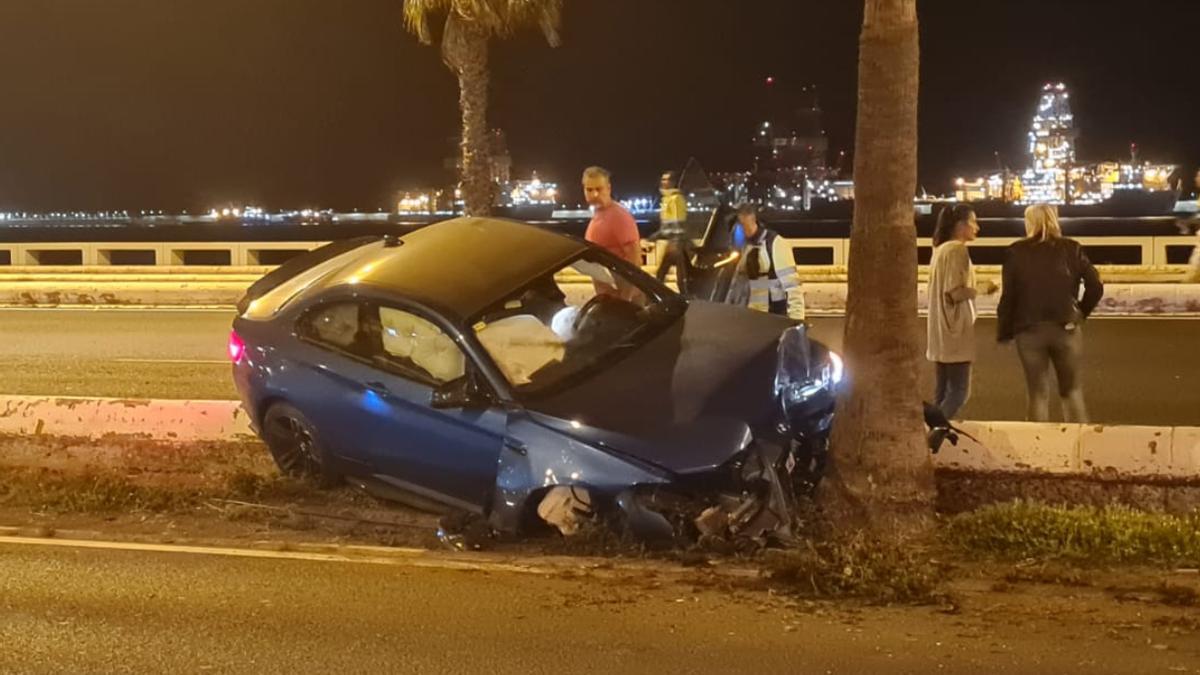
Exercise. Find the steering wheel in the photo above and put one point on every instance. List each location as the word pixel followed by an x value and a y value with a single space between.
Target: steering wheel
pixel 599 305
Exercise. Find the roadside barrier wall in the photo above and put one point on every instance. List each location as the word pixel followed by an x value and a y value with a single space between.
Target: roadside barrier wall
pixel 1129 452
pixel 1146 251
pixel 823 298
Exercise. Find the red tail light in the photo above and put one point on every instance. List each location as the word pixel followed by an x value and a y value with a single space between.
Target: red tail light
pixel 237 348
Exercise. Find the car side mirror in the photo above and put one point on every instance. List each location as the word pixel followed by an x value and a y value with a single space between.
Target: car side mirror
pixel 462 394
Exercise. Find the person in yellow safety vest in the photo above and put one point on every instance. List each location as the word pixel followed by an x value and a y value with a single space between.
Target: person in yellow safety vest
pixel 673 221
pixel 768 268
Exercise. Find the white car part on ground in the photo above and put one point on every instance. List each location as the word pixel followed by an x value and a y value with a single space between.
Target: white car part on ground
pixel 565 507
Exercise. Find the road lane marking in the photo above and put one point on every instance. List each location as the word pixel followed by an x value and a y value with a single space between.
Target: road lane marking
pixel 206 550
pixel 395 557
pixel 202 362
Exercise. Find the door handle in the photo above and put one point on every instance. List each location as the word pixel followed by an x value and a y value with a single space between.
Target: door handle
pixel 516 446
pixel 379 388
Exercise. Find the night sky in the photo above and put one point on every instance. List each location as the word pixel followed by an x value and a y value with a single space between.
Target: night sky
pixel 185 104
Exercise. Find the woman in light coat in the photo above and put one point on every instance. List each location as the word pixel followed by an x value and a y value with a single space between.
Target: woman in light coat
pixel 951 329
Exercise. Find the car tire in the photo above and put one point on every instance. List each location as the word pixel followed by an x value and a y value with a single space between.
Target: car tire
pixel 295 448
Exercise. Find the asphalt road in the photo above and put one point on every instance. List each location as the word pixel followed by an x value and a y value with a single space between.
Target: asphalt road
pixel 1137 371
pixel 70 610
pixel 117 353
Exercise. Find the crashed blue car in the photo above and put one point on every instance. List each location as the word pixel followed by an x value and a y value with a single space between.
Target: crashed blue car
pixel 507 371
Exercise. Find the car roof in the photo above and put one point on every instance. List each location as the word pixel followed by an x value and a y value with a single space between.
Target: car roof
pixel 460 266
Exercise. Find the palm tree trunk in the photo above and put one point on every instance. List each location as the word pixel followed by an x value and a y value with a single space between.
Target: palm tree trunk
pixel 465 50
pixel 880 473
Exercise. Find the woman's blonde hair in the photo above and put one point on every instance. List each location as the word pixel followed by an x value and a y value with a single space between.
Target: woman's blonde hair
pixel 1041 223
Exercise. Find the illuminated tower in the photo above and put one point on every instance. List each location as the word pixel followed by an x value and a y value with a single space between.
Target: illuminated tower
pixel 1052 137
pixel 1051 147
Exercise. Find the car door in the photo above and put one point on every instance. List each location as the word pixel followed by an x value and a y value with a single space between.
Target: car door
pixel 323 377
pixel 446 454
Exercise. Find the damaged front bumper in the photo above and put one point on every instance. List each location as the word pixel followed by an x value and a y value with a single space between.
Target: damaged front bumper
pixel 749 497
pixel 748 500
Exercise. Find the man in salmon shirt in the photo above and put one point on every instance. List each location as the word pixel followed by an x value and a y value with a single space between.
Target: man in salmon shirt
pixel 612 227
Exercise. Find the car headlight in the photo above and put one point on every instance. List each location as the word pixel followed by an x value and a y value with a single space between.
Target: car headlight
pixel 826 380
pixel 837 368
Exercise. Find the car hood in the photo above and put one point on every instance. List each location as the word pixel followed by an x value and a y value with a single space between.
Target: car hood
pixel 686 399
pixel 680 449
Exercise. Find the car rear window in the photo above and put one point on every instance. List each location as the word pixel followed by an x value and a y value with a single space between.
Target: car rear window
pixel 273 301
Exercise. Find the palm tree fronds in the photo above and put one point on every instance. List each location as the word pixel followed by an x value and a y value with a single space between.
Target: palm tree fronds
pixel 417 14
pixel 545 14
pixel 469 27
pixel 494 17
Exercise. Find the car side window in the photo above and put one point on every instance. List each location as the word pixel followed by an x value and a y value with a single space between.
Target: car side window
pixel 416 345
pixel 337 326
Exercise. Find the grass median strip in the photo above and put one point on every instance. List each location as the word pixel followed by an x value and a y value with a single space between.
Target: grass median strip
pixel 1088 535
pixel 61 492
pixel 1058 545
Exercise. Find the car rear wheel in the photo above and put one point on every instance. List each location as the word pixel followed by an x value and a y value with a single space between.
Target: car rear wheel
pixel 294 446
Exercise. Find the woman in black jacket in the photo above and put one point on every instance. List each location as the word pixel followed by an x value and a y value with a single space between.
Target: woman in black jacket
pixel 1042 309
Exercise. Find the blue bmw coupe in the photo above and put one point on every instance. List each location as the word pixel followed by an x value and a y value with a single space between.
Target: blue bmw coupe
pixel 529 378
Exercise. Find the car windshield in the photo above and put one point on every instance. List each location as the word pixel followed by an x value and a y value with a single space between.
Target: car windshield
pixel 571 320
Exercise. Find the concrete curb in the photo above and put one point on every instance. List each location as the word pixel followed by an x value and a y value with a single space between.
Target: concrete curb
pixel 1077 449
pixel 143 419
pixel 1003 447
pixel 102 293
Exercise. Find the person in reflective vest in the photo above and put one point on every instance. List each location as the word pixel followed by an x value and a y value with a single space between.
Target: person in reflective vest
pixel 766 280
pixel 673 217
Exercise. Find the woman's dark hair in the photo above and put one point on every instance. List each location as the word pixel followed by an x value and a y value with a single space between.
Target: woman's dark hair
pixel 948 219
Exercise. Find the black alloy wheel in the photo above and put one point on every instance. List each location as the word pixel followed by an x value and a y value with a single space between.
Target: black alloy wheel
pixel 294 446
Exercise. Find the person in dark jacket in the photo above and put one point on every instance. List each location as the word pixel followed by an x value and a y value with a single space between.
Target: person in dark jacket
pixel 1041 308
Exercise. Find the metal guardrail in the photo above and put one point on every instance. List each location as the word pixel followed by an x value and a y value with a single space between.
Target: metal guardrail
pixel 810 253
pixel 1134 251
pixel 152 254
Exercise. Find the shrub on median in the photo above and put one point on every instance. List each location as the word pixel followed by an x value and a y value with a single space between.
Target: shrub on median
pixel 857 567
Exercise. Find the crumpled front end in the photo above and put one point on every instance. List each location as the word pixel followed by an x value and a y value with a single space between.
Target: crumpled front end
pixel 808 380
pixel 716 479
pixel 567 484
pixel 748 501
pixel 533 469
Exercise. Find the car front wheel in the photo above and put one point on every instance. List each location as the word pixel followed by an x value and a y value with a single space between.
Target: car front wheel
pixel 294 445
